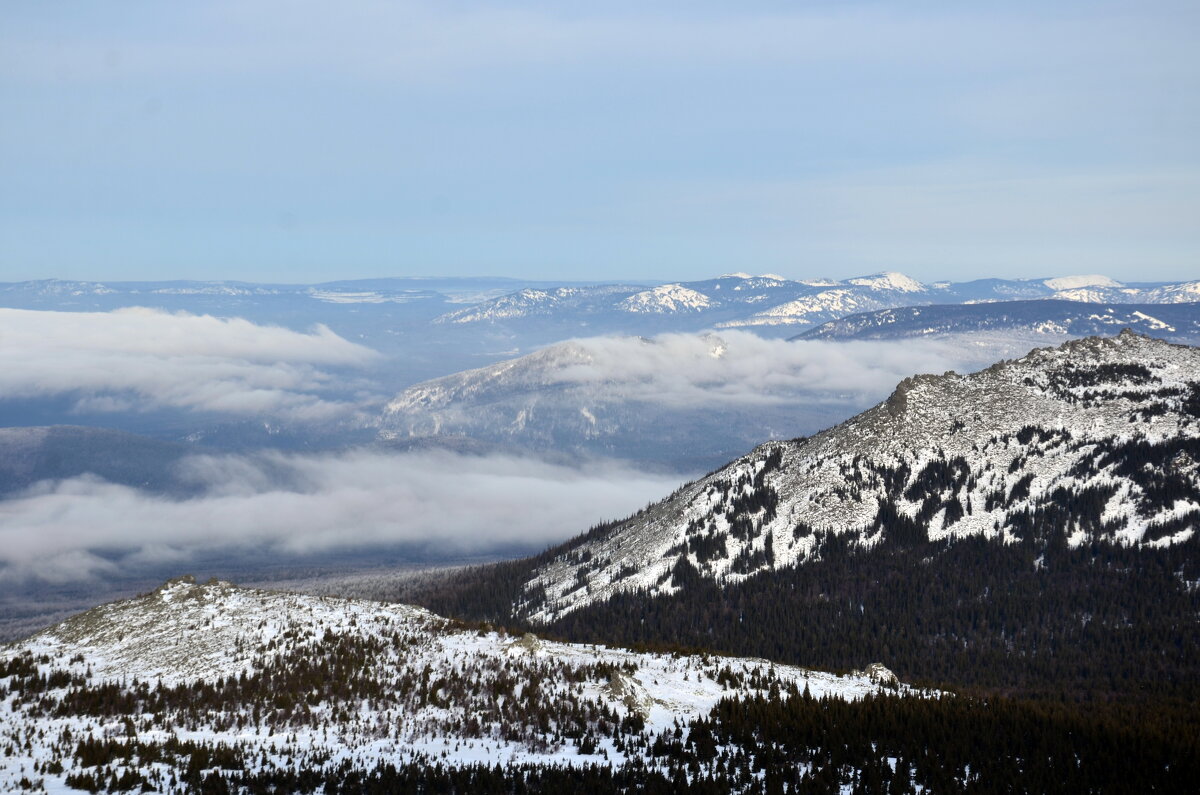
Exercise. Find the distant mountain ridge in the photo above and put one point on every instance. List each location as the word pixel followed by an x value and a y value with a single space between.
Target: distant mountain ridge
pixel 1176 322
pixel 741 300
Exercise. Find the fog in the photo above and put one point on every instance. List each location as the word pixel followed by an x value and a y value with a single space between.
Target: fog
pixel 450 503
pixel 735 367
pixel 138 359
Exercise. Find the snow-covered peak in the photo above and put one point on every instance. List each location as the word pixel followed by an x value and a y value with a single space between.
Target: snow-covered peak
pixel 1015 434
pixel 1074 282
pixel 319 682
pixel 889 280
pixel 772 277
pixel 665 299
pixel 809 309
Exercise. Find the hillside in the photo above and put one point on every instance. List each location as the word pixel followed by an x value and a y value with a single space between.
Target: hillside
pixel 1048 319
pixel 192 677
pixel 218 689
pixel 929 530
pixel 689 402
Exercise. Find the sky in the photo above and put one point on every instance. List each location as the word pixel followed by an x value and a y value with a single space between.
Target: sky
pixel 307 141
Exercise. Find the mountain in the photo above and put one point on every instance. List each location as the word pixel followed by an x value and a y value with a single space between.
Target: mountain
pixel 1051 319
pixel 768 303
pixel 963 524
pixel 730 301
pixel 627 398
pixel 218 689
pixel 163 691
pixel 688 402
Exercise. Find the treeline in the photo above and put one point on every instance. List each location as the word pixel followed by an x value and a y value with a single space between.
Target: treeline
pixel 785 741
pixel 1037 617
pixel 1097 622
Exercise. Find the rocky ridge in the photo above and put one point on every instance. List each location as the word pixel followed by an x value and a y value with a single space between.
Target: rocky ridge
pixel 213 675
pixel 1114 422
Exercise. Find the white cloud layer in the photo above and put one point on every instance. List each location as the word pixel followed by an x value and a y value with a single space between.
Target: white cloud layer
pixel 735 367
pixel 144 358
pixel 453 502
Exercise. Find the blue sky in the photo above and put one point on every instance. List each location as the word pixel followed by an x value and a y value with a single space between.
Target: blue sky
pixel 303 141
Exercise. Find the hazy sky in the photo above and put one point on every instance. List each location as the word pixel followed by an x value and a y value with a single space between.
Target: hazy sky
pixel 303 141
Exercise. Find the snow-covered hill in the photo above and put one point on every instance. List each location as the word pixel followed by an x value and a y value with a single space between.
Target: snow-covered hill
pixel 1099 292
pixel 192 677
pixel 816 308
pixel 667 298
pixel 1104 431
pixel 731 300
pixel 763 303
pixel 687 401
pixel 1049 320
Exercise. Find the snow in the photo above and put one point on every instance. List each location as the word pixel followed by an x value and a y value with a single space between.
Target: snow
pixel 817 308
pixel 366 297
pixel 889 280
pixel 183 633
pixel 1072 282
pixel 1153 322
pixel 928 418
pixel 668 298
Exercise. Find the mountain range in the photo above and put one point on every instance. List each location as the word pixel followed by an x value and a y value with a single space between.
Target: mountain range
pixel 1024 536
pixel 1047 319
pixel 770 303
pixel 421 330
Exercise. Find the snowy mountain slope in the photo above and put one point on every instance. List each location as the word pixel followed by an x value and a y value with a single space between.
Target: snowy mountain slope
pixel 686 401
pixel 1051 320
pixel 530 303
pixel 732 299
pixel 889 280
pixel 818 308
pixel 264 681
pixel 667 298
pixel 1073 282
pixel 945 456
pixel 1099 293
pixel 740 300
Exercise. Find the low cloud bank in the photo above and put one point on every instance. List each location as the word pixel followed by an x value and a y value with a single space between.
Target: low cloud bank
pixel 451 502
pixel 734 367
pixel 132 359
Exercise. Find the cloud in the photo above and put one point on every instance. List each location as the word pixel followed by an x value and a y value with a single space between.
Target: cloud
pixel 145 358
pixel 85 527
pixel 739 368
